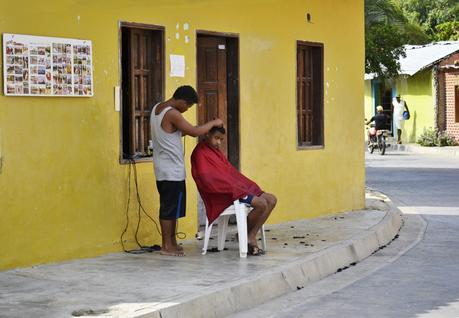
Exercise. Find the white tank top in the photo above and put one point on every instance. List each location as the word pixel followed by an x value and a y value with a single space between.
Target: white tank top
pixel 167 149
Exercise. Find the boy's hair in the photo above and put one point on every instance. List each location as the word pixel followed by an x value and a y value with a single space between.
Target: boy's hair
pixel 220 129
pixel 186 93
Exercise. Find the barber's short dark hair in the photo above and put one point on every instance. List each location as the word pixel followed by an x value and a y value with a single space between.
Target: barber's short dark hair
pixel 220 129
pixel 186 93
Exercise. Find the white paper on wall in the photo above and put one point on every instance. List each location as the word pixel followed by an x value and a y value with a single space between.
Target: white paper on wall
pixel 177 65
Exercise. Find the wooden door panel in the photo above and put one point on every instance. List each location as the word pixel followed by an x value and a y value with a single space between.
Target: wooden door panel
pixel 305 96
pixel 211 67
pixel 211 100
pixel 137 130
pixel 142 77
pixel 212 81
pixel 142 85
pixel 136 91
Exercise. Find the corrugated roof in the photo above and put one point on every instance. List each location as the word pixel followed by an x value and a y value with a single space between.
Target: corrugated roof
pixel 419 57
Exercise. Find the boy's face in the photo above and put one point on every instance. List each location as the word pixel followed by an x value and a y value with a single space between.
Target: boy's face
pixel 215 139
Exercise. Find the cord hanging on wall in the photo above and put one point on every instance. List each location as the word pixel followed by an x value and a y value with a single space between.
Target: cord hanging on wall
pixel 140 208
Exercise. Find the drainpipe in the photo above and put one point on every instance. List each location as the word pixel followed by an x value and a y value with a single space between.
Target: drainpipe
pixel 436 95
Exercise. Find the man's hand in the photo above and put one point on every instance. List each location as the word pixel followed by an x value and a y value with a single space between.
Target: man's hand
pixel 180 123
pixel 217 122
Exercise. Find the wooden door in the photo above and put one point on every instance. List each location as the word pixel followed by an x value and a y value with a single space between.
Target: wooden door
pixel 305 95
pixel 212 81
pixel 310 94
pixel 142 85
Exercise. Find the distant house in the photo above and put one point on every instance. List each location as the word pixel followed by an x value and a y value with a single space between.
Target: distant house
pixel 428 82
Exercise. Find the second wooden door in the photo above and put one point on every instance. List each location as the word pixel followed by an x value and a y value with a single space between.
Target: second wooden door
pixel 212 81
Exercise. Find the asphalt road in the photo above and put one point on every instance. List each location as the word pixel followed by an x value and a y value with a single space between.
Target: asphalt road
pixel 415 276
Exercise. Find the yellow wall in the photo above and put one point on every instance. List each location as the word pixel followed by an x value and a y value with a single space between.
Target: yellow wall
pixel 417 92
pixel 63 191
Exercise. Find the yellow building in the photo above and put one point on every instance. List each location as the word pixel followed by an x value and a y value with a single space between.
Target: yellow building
pixel 284 75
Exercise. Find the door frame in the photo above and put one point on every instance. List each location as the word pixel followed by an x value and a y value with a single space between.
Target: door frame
pixel 145 26
pixel 233 88
pixel 377 87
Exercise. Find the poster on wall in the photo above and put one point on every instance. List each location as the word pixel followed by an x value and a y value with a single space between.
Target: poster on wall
pixel 46 66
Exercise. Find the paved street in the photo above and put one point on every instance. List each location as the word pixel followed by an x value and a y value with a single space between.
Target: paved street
pixel 417 274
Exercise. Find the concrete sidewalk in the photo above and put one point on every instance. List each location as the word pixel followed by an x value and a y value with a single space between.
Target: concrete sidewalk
pixel 214 285
pixel 452 151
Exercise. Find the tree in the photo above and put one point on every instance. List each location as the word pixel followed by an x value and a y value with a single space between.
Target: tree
pixel 389 24
pixel 386 30
pixel 430 13
pixel 414 34
pixel 383 11
pixel 383 47
pixel 448 31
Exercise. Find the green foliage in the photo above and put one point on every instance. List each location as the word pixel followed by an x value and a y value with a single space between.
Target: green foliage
pixel 387 30
pixel 430 13
pixel 383 11
pixel 434 138
pixel 389 24
pixel 413 34
pixel 383 47
pixel 447 31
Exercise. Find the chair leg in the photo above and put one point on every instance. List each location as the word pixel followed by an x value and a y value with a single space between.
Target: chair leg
pixel 222 228
pixel 207 233
pixel 263 237
pixel 241 218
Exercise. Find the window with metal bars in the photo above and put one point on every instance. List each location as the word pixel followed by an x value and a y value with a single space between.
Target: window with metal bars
pixel 310 105
pixel 142 85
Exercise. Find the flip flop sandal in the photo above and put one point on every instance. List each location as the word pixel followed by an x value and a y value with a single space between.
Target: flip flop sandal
pixel 254 250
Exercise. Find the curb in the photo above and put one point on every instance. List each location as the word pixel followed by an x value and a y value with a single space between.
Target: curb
pixel 452 151
pixel 277 282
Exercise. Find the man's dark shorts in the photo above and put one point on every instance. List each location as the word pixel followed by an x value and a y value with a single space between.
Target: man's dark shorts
pixel 172 199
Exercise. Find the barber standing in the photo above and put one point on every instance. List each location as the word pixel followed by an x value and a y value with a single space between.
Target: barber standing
pixel 167 128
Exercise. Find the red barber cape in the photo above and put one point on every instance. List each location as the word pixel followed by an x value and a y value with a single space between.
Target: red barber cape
pixel 218 182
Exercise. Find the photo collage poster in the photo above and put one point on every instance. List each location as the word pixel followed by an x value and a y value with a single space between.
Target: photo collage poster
pixel 44 66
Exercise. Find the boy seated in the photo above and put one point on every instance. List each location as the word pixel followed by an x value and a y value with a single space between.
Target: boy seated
pixel 219 184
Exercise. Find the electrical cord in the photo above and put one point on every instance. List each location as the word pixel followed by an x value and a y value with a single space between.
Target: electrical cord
pixel 133 251
pixel 139 201
pixel 179 235
pixel 142 248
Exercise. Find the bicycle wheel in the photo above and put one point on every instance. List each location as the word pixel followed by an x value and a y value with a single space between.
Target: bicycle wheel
pixel 382 146
pixel 371 148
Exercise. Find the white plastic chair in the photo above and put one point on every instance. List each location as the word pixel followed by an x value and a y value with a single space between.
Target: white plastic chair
pixel 241 211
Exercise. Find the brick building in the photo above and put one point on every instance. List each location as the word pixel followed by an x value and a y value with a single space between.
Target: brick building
pixel 448 97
